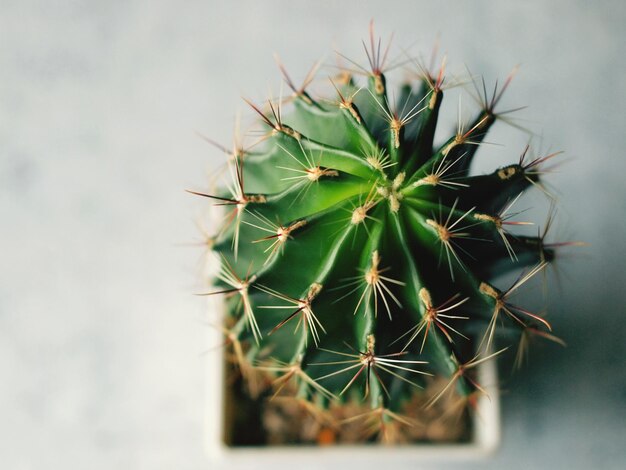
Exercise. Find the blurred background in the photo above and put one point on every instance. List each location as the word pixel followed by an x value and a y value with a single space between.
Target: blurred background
pixel 101 339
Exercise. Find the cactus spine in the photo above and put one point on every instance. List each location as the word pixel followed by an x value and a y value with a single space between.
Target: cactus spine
pixel 357 257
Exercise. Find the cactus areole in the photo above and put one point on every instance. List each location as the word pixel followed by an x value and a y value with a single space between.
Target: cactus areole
pixel 357 261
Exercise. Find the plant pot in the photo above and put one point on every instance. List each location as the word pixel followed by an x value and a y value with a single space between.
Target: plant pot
pixel 485 432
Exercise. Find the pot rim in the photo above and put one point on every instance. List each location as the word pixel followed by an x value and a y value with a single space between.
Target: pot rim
pixel 485 429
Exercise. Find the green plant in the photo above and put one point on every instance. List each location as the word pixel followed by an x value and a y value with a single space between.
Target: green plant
pixel 357 257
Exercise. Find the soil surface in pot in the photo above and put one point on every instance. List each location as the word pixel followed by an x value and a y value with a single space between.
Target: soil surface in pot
pixel 256 414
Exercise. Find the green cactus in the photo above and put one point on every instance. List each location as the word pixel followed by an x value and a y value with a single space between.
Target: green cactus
pixel 357 256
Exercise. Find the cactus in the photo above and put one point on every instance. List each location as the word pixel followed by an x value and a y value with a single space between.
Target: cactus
pixel 357 257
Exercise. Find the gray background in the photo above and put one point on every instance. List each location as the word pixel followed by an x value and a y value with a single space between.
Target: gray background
pixel 101 340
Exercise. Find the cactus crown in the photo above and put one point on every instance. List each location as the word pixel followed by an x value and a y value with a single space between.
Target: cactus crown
pixel 357 256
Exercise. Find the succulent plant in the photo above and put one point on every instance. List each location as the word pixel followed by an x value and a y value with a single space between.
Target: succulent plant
pixel 357 256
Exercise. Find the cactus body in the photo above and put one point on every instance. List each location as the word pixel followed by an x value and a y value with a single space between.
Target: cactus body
pixel 357 256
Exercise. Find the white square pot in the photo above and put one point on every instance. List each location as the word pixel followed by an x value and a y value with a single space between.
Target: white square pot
pixel 485 436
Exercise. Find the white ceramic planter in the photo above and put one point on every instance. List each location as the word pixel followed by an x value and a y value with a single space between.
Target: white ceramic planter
pixel 486 436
